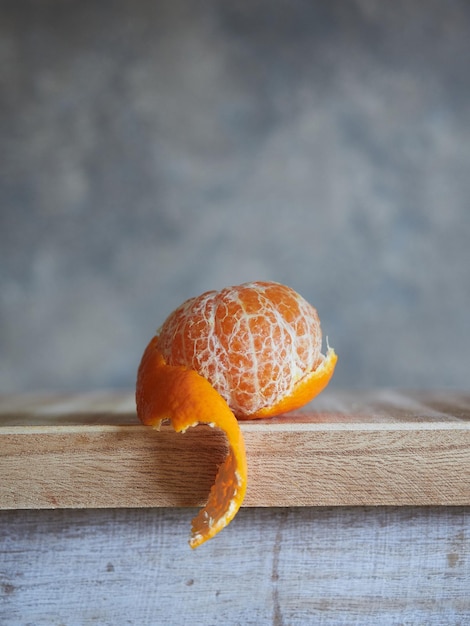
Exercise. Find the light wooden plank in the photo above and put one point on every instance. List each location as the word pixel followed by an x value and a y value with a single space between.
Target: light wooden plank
pixel 270 567
pixel 377 448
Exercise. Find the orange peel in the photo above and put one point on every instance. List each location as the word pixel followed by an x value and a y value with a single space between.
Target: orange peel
pixel 304 391
pixel 180 394
pixel 249 351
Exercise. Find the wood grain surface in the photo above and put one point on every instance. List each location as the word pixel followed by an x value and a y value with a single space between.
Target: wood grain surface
pixel 286 565
pixel 378 448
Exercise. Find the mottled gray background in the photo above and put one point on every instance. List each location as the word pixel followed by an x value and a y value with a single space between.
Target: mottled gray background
pixel 151 150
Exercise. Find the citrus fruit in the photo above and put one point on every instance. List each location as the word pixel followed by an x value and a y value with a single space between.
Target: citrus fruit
pixel 248 351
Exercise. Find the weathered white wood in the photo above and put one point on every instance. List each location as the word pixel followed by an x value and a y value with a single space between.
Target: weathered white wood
pixel 377 448
pixel 299 566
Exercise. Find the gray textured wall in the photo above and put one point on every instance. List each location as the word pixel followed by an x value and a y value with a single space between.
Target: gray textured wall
pixel 153 150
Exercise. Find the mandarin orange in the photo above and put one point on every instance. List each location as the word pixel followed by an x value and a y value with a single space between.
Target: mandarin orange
pixel 249 351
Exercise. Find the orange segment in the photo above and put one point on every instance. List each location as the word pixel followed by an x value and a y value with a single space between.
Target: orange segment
pixel 253 342
pixel 187 399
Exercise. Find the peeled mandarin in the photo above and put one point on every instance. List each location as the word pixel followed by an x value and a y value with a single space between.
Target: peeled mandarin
pixel 248 351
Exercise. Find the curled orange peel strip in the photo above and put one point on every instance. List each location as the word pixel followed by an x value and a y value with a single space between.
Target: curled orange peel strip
pixel 186 398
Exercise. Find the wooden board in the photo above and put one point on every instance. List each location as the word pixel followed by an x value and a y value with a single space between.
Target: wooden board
pixel 379 448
